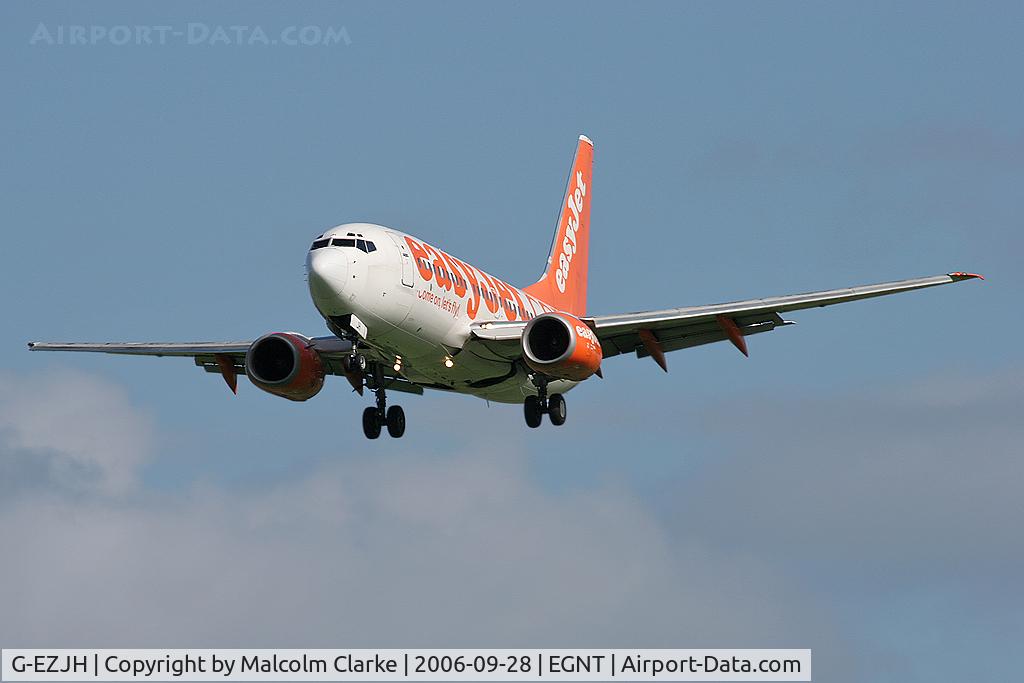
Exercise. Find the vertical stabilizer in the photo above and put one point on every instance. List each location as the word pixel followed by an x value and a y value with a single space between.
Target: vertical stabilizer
pixel 564 283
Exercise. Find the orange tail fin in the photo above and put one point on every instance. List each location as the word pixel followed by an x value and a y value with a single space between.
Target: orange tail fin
pixel 564 283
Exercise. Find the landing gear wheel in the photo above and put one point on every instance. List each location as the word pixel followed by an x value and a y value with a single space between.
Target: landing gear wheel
pixel 371 423
pixel 396 421
pixel 556 409
pixel 354 361
pixel 533 412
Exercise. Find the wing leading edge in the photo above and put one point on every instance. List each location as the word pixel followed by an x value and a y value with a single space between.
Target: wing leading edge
pixel 188 349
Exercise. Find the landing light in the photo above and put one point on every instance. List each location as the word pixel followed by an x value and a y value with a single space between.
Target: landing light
pixel 448 362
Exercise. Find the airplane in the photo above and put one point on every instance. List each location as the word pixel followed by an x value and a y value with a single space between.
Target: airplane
pixel 406 316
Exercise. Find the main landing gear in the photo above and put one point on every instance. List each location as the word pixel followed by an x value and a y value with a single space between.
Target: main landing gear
pixel 376 417
pixel 374 420
pixel 535 407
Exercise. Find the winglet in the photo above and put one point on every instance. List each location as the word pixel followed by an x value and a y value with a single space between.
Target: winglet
pixel 958 276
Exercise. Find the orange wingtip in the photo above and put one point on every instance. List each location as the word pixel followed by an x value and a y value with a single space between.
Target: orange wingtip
pixel 966 276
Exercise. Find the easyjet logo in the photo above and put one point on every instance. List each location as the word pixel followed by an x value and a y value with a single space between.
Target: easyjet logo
pixel 573 202
pixel 586 333
pixel 478 288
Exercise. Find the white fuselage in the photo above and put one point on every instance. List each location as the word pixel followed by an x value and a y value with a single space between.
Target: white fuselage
pixel 415 304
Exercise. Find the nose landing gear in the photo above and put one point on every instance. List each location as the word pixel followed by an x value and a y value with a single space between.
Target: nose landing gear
pixel 354 362
pixel 535 407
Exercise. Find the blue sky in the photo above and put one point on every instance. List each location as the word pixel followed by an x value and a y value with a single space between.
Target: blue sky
pixel 853 486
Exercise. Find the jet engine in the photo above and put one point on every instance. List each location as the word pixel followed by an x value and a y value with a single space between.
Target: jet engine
pixel 284 364
pixel 559 345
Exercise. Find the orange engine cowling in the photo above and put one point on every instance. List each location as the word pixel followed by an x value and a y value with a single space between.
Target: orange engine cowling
pixel 561 346
pixel 283 364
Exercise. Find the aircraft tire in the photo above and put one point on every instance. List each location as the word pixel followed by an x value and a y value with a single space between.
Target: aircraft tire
pixel 371 423
pixel 354 361
pixel 396 422
pixel 533 412
pixel 556 409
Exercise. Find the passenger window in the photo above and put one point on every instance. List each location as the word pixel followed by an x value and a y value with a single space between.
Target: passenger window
pixel 318 244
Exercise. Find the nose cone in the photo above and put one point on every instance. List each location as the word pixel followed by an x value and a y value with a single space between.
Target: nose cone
pixel 327 271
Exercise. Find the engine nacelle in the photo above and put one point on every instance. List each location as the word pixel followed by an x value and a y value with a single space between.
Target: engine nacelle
pixel 283 364
pixel 559 345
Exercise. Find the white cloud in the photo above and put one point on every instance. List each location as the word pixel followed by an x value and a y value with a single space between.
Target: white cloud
pixel 81 430
pixel 805 518
pixel 462 549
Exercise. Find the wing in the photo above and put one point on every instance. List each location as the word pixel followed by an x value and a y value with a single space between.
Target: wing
pixel 654 333
pixel 228 358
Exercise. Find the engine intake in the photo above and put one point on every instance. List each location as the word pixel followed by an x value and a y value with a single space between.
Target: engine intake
pixel 561 346
pixel 283 364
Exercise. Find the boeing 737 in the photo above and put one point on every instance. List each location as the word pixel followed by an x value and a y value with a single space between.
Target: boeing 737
pixel 406 316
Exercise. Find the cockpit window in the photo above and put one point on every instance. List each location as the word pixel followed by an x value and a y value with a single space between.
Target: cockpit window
pixel 362 245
